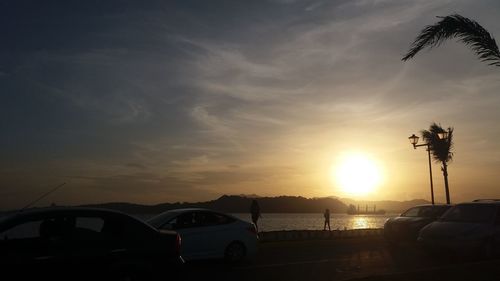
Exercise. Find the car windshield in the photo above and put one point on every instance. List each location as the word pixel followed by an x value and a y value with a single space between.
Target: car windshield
pixel 425 211
pixel 159 220
pixel 438 211
pixel 470 213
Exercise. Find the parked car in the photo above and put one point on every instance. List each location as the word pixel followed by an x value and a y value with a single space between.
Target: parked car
pixel 405 227
pixel 208 234
pixel 467 229
pixel 72 243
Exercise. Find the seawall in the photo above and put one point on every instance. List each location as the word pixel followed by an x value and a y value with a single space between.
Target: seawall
pixel 298 235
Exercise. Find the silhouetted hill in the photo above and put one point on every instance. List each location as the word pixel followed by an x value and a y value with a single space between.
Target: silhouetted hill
pixel 238 204
pixel 281 204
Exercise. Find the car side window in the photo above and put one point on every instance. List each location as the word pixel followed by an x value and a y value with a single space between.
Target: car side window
pixel 88 228
pixel 413 212
pixel 205 219
pixel 210 219
pixel 425 212
pixel 29 229
pixel 196 219
pixel 221 219
pixel 439 211
pixel 90 223
pixel 183 221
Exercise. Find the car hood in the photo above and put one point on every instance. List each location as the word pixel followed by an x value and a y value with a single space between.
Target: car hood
pixel 408 220
pixel 449 230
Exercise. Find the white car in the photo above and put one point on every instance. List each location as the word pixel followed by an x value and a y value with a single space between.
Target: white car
pixel 209 234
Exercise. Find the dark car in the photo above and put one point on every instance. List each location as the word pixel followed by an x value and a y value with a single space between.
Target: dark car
pixel 74 243
pixel 406 226
pixel 471 228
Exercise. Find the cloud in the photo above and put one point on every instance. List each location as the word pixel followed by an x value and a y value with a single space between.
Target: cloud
pixel 200 99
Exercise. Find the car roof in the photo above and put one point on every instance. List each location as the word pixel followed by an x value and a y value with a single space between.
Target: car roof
pixel 482 202
pixel 186 210
pixel 57 210
pixel 65 209
pixel 432 205
pixel 182 210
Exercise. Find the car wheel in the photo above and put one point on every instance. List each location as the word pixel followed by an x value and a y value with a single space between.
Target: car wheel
pixel 235 252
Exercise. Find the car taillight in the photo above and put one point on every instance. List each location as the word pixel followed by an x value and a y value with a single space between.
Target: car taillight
pixel 178 245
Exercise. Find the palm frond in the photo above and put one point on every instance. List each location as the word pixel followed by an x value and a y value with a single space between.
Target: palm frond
pixel 466 30
pixel 442 150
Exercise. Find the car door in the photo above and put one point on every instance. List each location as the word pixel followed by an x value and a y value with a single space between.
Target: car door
pixel 208 228
pixel 22 244
pixel 88 246
pixel 218 232
pixel 32 245
pixel 194 242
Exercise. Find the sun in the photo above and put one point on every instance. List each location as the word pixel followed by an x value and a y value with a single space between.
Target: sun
pixel 357 174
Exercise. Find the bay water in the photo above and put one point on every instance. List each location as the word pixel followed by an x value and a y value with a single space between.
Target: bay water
pixel 313 221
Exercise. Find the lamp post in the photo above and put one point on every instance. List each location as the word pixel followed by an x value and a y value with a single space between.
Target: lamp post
pixel 414 140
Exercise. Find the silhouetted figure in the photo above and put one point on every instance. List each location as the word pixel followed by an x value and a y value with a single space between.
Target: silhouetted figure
pixel 255 211
pixel 327 219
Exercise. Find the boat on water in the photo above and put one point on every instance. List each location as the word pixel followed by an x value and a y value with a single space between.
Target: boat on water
pixel 352 210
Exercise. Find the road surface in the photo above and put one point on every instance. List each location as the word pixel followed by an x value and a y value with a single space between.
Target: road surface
pixel 367 259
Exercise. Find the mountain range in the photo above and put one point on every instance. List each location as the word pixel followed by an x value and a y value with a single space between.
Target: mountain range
pixel 280 204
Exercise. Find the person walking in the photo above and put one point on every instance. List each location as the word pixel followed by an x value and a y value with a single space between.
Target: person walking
pixel 255 211
pixel 327 219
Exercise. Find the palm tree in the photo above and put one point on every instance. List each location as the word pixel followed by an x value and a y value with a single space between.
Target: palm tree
pixel 441 150
pixel 466 30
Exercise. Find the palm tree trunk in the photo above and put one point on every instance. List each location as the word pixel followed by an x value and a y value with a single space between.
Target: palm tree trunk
pixel 445 174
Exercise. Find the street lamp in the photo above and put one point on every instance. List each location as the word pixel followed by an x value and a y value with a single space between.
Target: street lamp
pixel 414 140
pixel 443 135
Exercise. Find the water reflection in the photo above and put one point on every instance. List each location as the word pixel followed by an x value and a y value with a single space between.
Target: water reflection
pixel 360 222
pixel 312 221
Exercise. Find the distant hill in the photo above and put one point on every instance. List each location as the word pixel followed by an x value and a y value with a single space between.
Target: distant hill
pixel 280 204
pixel 238 204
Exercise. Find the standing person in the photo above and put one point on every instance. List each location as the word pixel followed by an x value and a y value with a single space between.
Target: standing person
pixel 255 211
pixel 327 219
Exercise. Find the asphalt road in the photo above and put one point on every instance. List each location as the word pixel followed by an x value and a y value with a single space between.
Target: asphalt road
pixel 303 260
pixel 345 259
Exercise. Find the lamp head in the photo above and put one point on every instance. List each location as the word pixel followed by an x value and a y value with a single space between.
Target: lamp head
pixel 443 135
pixel 413 139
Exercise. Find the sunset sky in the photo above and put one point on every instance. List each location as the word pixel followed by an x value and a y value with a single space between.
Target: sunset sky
pixel 189 100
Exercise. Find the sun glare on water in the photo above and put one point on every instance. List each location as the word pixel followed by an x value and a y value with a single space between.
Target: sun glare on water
pixel 356 174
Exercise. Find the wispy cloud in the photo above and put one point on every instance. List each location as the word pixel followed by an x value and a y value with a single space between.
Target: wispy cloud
pixel 198 100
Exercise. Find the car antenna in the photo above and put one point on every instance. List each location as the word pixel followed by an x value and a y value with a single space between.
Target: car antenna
pixel 43 196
